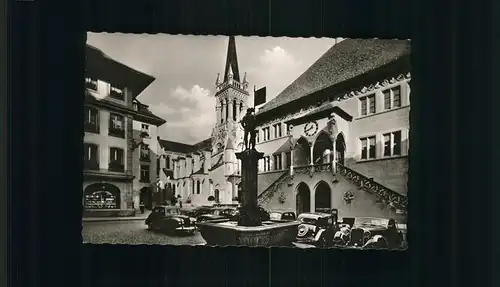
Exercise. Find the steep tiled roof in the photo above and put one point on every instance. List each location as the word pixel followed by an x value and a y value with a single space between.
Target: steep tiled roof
pixel 344 61
pixel 100 65
pixel 175 146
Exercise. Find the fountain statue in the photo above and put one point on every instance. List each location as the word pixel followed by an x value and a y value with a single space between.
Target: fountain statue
pixel 251 228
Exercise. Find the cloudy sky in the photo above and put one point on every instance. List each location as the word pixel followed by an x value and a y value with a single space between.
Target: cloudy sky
pixel 186 67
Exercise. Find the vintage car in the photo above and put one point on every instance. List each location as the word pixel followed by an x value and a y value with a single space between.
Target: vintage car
pixel 282 215
pixel 371 232
pixel 218 213
pixel 316 230
pixel 169 219
pixel 199 210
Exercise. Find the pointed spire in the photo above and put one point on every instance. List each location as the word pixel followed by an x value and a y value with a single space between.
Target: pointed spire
pixel 217 82
pixel 232 60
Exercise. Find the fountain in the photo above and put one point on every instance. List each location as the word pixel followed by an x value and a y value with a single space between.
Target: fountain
pixel 249 229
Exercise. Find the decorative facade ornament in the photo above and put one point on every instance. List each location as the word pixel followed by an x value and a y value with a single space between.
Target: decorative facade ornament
pixel 348 197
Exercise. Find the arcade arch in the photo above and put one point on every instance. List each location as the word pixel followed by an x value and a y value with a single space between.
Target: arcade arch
pixel 303 198
pixel 301 152
pixel 322 149
pixel 322 197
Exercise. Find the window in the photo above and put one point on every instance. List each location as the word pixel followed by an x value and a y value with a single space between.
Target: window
pixel 287 127
pixel 116 159
pixel 268 163
pixel 198 187
pixel 277 130
pixel 368 145
pixel 241 107
pixel 392 144
pixel 235 108
pixel 288 159
pixel 227 110
pixel 91 159
pixel 144 130
pixel 266 133
pixel 167 162
pixel 392 98
pixel 116 93
pixel 116 125
pixel 158 167
pixel 144 173
pixel 91 120
pixel 136 107
pixel 91 83
pixel 367 105
pixel 277 162
pixel 221 112
pixel 257 138
pixel 144 153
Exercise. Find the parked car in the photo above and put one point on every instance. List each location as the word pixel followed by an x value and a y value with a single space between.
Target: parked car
pixel 316 229
pixel 199 210
pixel 169 219
pixel 282 215
pixel 218 213
pixel 372 232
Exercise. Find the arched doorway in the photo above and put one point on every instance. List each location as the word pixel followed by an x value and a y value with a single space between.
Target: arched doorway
pixel 340 148
pixel 322 197
pixel 101 196
pixel 322 150
pixel 303 199
pixel 301 153
pixel 146 197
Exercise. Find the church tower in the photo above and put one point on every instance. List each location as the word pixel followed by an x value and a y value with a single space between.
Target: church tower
pixel 231 103
pixel 227 136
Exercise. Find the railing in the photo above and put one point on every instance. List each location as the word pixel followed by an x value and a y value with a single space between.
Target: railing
pixel 91 127
pixel 117 95
pixel 269 192
pixel 116 167
pixel 116 132
pixel 91 165
pixel 394 199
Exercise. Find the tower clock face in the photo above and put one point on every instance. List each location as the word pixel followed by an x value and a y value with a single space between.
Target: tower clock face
pixel 311 128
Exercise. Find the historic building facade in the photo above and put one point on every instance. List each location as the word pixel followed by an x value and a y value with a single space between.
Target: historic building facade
pixel 338 136
pixel 208 172
pixel 109 144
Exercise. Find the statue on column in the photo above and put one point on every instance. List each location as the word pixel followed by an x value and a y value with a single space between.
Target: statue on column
pixel 249 124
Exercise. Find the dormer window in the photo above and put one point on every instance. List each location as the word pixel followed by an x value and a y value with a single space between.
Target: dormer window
pixel 136 106
pixel 91 83
pixel 116 93
pixel 144 130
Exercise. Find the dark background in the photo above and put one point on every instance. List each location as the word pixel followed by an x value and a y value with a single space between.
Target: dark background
pixel 453 138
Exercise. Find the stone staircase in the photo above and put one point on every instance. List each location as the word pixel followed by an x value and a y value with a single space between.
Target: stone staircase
pixel 265 195
pixel 391 197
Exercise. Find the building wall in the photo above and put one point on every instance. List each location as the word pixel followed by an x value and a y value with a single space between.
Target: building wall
pixel 389 171
pixel 125 198
pixel 152 142
pixel 364 204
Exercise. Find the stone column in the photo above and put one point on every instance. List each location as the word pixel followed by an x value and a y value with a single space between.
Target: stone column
pixel 291 161
pixel 237 110
pixel 217 112
pixel 283 159
pixel 249 161
pixel 312 204
pixel 311 149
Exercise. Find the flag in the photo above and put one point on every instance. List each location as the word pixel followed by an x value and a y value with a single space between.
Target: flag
pixel 259 96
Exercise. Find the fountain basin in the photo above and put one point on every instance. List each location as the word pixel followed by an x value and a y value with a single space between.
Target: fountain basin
pixel 227 233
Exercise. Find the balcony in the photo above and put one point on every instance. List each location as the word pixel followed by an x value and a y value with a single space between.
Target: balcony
pixel 91 165
pixel 91 127
pixel 116 167
pixel 144 133
pixel 116 132
pixel 117 95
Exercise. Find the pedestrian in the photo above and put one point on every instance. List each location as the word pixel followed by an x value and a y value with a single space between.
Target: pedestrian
pixel 180 203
